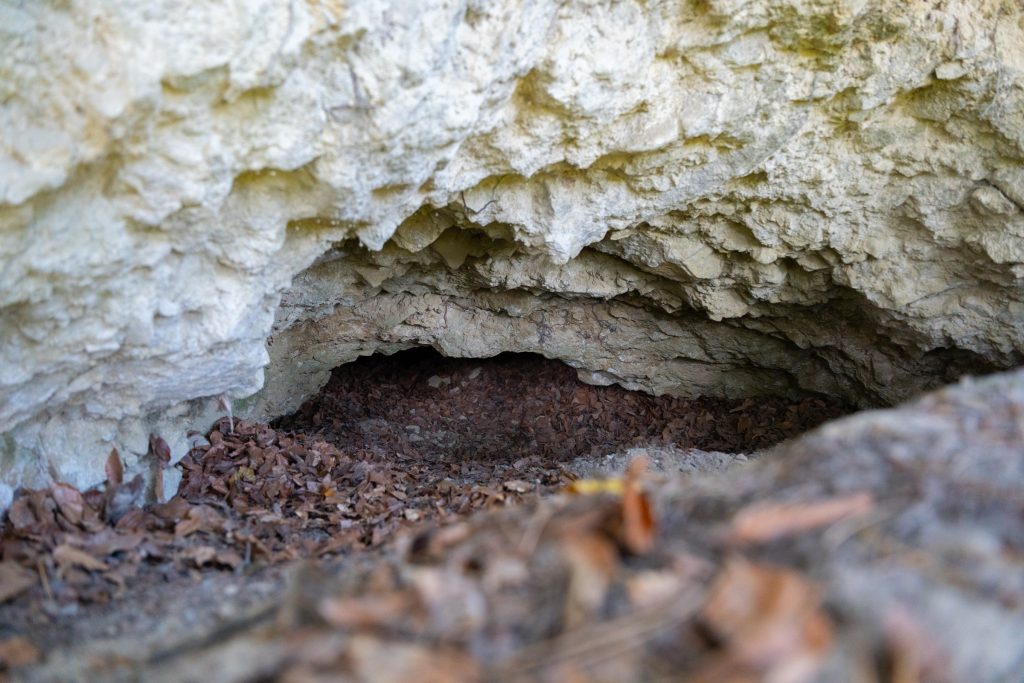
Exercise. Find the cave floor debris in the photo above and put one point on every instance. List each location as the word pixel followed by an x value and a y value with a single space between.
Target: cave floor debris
pixel 388 463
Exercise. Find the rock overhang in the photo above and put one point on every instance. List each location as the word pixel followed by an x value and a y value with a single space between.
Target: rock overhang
pixel 680 197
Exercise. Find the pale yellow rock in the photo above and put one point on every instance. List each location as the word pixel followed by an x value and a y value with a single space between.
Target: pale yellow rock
pixel 813 195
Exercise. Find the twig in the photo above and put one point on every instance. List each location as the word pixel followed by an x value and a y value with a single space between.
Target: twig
pixel 41 568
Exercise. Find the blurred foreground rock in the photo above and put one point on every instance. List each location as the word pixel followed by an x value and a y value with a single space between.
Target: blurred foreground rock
pixel 882 547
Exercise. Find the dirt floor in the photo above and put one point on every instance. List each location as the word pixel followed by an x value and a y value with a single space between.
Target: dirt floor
pixel 387 464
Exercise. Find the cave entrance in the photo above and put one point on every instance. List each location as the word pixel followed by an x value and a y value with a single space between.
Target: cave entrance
pixel 523 416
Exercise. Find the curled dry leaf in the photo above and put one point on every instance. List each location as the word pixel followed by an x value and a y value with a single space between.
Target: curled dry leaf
pixel 638 526
pixel 161 454
pixel 113 468
pixel 159 448
pixel 763 522
pixel 69 501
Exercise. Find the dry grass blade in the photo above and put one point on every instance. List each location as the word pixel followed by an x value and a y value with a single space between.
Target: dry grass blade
pixel 763 522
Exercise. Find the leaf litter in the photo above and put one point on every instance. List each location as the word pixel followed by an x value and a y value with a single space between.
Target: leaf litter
pixel 578 580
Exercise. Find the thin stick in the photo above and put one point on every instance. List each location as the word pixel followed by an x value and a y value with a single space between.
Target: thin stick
pixel 41 568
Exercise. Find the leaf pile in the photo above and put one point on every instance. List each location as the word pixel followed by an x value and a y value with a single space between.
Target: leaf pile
pixel 296 496
pixel 422 405
pixel 257 495
pixel 390 444
pixel 84 547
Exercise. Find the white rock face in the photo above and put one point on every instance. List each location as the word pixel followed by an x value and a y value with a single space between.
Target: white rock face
pixel 722 196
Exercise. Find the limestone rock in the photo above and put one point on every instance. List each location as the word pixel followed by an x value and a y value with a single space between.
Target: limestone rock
pixel 710 196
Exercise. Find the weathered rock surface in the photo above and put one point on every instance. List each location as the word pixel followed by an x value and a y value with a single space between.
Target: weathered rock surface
pixel 714 196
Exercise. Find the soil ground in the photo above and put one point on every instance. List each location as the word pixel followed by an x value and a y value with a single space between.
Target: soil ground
pixel 393 446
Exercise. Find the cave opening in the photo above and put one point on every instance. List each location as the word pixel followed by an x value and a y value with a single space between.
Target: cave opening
pixel 521 414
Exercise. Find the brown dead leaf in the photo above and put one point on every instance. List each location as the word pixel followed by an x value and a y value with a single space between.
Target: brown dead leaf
pixel 229 559
pixel 199 518
pixel 763 522
pixel 369 611
pixel 68 556
pixel 769 623
pixel 69 501
pixel 200 555
pixel 20 514
pixel 18 651
pixel 14 580
pixel 160 450
pixel 123 498
pixel 638 527
pixel 110 541
pixel 113 468
pixel 174 509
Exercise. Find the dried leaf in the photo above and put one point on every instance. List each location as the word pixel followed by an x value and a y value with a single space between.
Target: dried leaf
pixel 14 580
pixel 763 522
pixel 20 514
pixel 370 611
pixel 18 651
pixel 769 622
pixel 638 527
pixel 69 501
pixel 200 555
pixel 68 556
pixel 159 448
pixel 229 559
pixel 114 469
pixel 122 498
pixel 199 518
pixel 174 509
pixel 109 541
